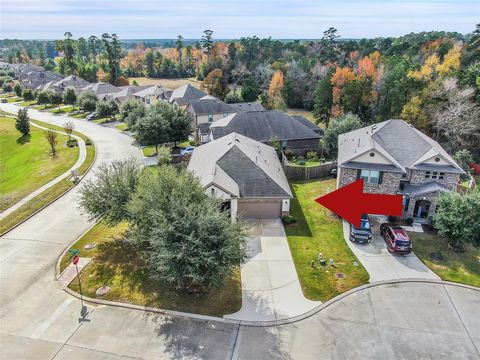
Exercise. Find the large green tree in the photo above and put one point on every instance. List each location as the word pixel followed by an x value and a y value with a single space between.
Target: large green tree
pixel 87 101
pixel 323 102
pixel 456 218
pixel 22 123
pixel 344 124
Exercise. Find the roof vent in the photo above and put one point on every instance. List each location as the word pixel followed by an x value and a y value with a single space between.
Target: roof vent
pixel 374 127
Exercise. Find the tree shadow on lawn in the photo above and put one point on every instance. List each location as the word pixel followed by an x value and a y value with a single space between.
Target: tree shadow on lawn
pixel 301 228
pixel 24 139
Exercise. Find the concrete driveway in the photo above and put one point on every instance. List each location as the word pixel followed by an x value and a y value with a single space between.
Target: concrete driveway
pixel 380 264
pixel 270 286
pixel 40 321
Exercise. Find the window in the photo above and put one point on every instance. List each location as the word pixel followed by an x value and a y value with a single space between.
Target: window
pixel 441 175
pixel 404 175
pixel 427 175
pixel 210 117
pixel 284 144
pixel 371 176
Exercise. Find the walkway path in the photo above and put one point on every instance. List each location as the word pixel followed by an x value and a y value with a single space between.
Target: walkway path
pixel 38 320
pixel 380 264
pixel 82 155
pixel 270 286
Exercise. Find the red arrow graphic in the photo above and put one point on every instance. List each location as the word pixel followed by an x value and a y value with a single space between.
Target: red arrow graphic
pixel 350 202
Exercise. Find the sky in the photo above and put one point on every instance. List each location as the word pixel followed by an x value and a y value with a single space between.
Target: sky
pixel 282 19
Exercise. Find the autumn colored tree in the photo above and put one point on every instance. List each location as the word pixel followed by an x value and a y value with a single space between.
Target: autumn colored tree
pixel 275 97
pixel 216 84
pixel 413 112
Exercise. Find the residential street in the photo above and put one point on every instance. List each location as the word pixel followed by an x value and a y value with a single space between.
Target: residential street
pixel 38 320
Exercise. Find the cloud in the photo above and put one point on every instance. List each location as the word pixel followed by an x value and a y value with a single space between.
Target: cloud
pixel 233 19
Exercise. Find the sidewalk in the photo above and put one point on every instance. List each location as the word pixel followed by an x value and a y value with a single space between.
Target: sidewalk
pixel 82 154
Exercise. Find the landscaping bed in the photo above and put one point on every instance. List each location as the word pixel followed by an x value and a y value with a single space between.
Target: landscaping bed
pixel 433 251
pixel 319 231
pixel 117 264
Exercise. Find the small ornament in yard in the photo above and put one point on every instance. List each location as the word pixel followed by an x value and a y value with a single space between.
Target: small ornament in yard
pixel 312 264
pixel 320 257
pixel 102 291
pixel 89 246
pixel 331 263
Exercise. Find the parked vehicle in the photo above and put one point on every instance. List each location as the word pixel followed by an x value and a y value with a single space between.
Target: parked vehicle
pixel 187 150
pixel 91 116
pixel 4 101
pixel 396 238
pixel 362 234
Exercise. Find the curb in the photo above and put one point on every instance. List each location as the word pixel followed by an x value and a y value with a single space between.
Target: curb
pixel 59 196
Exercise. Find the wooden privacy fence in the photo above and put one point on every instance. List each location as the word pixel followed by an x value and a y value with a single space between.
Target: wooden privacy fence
pixel 308 172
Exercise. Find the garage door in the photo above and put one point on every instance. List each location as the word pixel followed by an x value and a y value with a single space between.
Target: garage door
pixel 260 209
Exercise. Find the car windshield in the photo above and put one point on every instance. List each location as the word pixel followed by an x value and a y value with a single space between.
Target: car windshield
pixel 402 243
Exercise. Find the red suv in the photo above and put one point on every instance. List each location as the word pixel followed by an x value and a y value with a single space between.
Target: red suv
pixel 396 238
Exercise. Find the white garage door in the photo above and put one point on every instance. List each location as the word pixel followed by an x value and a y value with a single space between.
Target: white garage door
pixel 260 209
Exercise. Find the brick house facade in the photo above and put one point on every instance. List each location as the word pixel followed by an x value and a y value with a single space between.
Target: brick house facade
pixel 419 171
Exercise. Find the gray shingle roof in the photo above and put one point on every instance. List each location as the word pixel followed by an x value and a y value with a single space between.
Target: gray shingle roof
pixel 400 143
pixel 308 123
pixel 186 93
pixel 246 106
pixel 151 90
pixel 241 166
pixel 210 105
pixel 422 189
pixel 263 126
pixel 71 80
pixel 101 88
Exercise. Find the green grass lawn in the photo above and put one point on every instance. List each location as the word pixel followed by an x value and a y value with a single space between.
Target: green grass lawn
pixel 122 127
pixel 461 267
pixel 319 231
pixel 25 161
pixel 14 99
pixel 44 107
pixel 48 195
pixel 62 110
pixel 28 103
pixel 307 163
pixel 149 151
pixel 120 266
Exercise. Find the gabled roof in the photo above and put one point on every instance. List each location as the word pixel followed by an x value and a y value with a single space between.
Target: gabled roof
pixel 247 106
pixel 72 80
pixel 263 126
pixel 101 88
pixel 210 105
pixel 422 189
pixel 399 142
pixel 185 94
pixel 308 124
pixel 154 90
pixel 240 166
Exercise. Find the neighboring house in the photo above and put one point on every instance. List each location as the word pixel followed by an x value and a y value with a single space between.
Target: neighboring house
pixel 206 110
pixel 245 174
pixel 36 79
pixel 153 94
pixel 265 126
pixel 395 158
pixel 247 106
pixel 125 93
pixel 308 124
pixel 70 81
pixel 101 89
pixel 185 94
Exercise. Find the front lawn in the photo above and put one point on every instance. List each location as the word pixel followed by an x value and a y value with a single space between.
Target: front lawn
pixel 149 151
pixel 62 110
pixel 461 267
pixel 44 106
pixel 25 161
pixel 304 163
pixel 122 126
pixel 319 231
pixel 28 103
pixel 117 264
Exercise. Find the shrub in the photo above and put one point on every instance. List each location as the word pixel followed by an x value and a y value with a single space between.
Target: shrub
pixel 233 98
pixel 72 143
pixel 289 219
pixel 164 155
pixel 312 156
pixel 193 142
pixel 289 154
pixel 409 221
pixel 88 142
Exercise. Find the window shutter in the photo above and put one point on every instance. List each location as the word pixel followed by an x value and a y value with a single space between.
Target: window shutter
pixel 359 172
pixel 380 177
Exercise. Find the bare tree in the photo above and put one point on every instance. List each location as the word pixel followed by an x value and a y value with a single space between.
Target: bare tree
pixel 69 126
pixel 51 137
pixel 456 116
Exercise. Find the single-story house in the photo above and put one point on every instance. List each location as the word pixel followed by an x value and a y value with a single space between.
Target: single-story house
pixel 392 157
pixel 267 126
pixel 245 174
pixel 152 94
pixel 101 88
pixel 185 94
pixel 70 81
pixel 36 79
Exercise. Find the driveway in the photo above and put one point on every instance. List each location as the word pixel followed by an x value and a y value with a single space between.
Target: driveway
pixel 270 286
pixel 380 264
pixel 40 321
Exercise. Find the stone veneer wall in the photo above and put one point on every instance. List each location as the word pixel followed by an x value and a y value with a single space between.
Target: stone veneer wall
pixel 432 197
pixel 450 180
pixel 390 182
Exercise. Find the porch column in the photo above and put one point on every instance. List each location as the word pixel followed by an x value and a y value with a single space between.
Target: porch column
pixel 233 209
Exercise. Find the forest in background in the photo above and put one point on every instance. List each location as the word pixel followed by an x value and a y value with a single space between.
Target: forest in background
pixel 430 79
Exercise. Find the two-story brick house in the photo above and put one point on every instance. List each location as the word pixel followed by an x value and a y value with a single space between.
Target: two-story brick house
pixel 395 158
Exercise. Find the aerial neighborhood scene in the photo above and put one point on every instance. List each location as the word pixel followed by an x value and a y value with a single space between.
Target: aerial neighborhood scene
pixel 240 180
